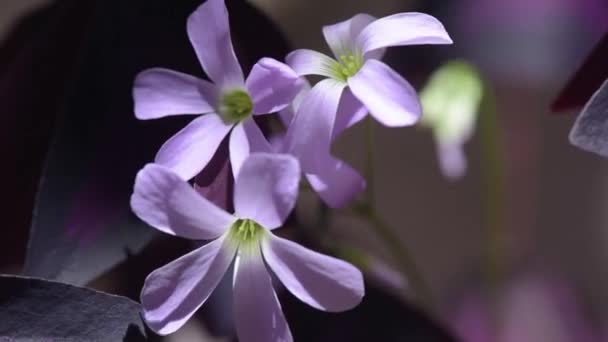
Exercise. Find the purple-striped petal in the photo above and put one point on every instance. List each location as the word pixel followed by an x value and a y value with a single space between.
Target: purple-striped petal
pixel 246 138
pixel 257 311
pixel 402 29
pixel 320 281
pixel 309 135
pixel 342 37
pixel 350 112
pixel 209 33
pixel 189 151
pixel 266 188
pixel 337 183
pixel 173 293
pixel 168 203
pixel 161 92
pixel 388 96
pixel 272 85
pixel 309 62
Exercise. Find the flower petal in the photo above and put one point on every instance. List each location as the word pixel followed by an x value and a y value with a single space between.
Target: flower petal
pixel 161 92
pixel 209 33
pixel 388 96
pixel 309 135
pixel 173 293
pixel 320 281
pixel 337 183
pixel 309 62
pixel 189 151
pixel 168 203
pixel 272 85
pixel 289 112
pixel 452 160
pixel 266 188
pixel 246 138
pixel 402 29
pixel 342 37
pixel 350 112
pixel 257 311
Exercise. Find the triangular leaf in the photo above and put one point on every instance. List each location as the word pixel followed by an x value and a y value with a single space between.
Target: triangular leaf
pixel 590 131
pixel 41 310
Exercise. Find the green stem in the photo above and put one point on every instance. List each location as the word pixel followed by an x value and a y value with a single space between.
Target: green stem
pixel 369 169
pixel 493 191
pixel 407 266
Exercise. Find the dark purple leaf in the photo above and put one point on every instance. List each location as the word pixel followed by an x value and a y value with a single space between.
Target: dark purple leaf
pixel 586 80
pixel 590 131
pixel 40 310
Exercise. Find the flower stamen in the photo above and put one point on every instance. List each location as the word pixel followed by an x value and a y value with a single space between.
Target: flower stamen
pixel 235 105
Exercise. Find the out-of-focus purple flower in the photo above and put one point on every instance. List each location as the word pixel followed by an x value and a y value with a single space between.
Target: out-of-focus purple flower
pixel 227 104
pixel 358 78
pixel 450 102
pixel 531 309
pixel 265 192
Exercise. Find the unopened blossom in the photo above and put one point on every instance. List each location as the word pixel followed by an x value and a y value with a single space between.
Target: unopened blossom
pixel 335 181
pixel 265 192
pixel 357 76
pixel 226 106
pixel 450 102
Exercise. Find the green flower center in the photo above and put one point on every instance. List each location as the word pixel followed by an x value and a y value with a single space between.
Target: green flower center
pixel 347 66
pixel 246 232
pixel 235 105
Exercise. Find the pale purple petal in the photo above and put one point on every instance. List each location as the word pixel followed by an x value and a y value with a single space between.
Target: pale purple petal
pixel 246 138
pixel 452 160
pixel 388 96
pixel 272 85
pixel 336 183
pixel 209 33
pixel 402 29
pixel 289 112
pixel 309 62
pixel 257 311
pixel 319 280
pixel 173 293
pixel 266 188
pixel 168 203
pixel 350 112
pixel 161 92
pixel 189 151
pixel 342 37
pixel 309 134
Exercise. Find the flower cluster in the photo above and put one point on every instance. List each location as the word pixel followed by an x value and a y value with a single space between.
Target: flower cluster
pixel 267 175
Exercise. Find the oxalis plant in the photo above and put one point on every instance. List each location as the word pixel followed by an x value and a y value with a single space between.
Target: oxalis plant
pixel 270 167
pixel 356 84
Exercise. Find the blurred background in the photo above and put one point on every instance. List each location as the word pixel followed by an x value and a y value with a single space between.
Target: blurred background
pixel 555 219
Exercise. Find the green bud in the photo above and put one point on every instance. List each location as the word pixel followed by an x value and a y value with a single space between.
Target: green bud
pixel 451 100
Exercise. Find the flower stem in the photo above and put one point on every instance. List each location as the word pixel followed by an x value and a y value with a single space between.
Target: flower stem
pixel 494 191
pixel 407 266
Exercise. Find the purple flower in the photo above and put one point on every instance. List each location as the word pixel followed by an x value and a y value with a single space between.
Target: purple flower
pixel 265 192
pixel 335 181
pixel 227 104
pixel 359 78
